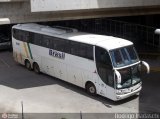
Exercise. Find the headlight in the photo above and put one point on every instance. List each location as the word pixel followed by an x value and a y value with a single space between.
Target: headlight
pixel 119 92
pixel 122 91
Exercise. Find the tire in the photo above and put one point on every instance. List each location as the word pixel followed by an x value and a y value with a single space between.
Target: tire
pixel 28 65
pixel 36 68
pixel 91 89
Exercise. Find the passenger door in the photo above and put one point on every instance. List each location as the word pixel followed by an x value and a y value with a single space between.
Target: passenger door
pixel 104 69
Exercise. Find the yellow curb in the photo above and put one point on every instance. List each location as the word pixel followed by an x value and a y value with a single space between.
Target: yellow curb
pixel 155 69
pixel 155 54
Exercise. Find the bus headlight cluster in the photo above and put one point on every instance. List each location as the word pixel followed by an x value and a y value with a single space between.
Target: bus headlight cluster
pixel 121 92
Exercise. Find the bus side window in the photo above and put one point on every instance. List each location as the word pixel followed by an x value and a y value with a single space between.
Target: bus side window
pixel 31 37
pixel 20 35
pixel 89 52
pixel 14 33
pixel 102 57
pixel 46 42
pixel 59 44
pixel 67 46
pixel 25 36
pixel 74 48
pixel 104 66
pixel 86 51
pixel 37 40
pixel 82 50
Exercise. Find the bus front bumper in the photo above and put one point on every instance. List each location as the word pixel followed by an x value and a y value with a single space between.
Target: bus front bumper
pixel 123 96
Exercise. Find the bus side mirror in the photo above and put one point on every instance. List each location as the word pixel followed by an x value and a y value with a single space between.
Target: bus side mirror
pixel 117 76
pixel 146 65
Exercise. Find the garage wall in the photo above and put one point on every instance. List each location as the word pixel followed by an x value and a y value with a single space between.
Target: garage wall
pixel 61 5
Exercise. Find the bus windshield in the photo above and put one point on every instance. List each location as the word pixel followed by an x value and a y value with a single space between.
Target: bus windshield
pixel 130 76
pixel 124 56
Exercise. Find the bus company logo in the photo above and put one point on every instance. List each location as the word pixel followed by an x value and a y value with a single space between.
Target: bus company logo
pixel 10 116
pixel 57 54
pixel 4 116
pixel 17 43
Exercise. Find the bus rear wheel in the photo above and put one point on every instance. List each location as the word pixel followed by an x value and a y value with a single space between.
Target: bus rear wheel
pixel 28 65
pixel 91 89
pixel 36 68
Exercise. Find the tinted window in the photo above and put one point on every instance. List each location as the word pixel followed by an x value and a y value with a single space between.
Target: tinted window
pixel 47 41
pixel 21 35
pixel 24 36
pixel 132 54
pixel 75 48
pixel 59 44
pixel 37 39
pixel 124 56
pixel 67 46
pixel 118 57
pixel 89 53
pixel 86 51
pixel 104 66
pixel 14 33
pixel 55 43
pixel 31 37
pixel 102 56
pixel 82 50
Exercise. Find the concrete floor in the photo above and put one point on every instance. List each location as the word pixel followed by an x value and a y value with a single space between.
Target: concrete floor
pixel 45 94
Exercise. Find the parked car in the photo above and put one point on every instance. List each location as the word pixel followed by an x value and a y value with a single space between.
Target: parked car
pixel 5 42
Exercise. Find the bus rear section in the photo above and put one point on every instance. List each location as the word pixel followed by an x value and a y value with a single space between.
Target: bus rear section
pixel 20 49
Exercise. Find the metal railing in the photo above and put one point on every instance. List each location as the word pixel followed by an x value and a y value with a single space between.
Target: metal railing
pixel 142 36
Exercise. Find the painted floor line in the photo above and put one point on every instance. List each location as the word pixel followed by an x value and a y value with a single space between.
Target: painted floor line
pixel 5 62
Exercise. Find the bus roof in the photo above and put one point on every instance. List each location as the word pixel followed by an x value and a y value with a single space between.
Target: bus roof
pixel 107 42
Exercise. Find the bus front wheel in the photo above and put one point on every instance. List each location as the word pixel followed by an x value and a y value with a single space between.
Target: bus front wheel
pixel 28 65
pixel 36 68
pixel 91 89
